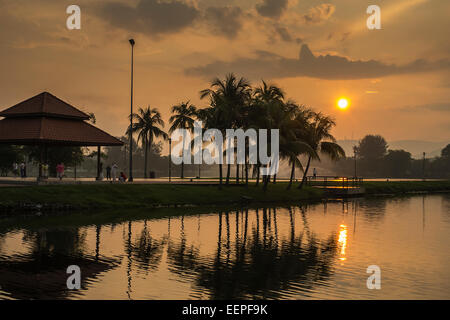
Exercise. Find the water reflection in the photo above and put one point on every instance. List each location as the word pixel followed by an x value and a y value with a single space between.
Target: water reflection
pixel 261 266
pixel 263 253
pixel 41 272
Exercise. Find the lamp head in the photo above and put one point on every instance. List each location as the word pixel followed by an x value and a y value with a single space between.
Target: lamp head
pixel 132 42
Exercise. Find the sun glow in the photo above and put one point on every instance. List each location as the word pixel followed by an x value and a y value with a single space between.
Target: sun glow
pixel 343 103
pixel 342 241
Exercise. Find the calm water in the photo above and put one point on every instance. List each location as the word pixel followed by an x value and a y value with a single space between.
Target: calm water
pixel 317 251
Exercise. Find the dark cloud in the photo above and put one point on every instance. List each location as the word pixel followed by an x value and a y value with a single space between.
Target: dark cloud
pixel 151 17
pixel 225 21
pixel 319 13
pixel 283 33
pixel 268 65
pixel 272 8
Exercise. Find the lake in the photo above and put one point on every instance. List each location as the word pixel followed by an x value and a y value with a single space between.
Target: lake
pixel 308 251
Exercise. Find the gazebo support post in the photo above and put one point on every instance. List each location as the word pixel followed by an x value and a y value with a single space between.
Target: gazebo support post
pixel 98 162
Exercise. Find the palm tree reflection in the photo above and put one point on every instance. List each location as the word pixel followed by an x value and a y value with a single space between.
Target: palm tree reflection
pixel 263 264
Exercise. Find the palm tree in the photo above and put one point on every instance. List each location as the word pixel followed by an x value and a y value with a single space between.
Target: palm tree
pixel 319 138
pixel 148 123
pixel 271 112
pixel 292 144
pixel 228 98
pixel 210 120
pixel 183 118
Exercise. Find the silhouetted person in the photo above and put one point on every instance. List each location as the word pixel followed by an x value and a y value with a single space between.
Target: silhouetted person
pixel 22 170
pixel 60 170
pixel 108 172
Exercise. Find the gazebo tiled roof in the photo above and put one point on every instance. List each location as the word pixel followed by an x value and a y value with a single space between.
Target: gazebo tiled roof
pixel 44 104
pixel 46 119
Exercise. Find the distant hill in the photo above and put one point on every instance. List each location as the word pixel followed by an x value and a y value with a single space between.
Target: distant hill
pixel 415 147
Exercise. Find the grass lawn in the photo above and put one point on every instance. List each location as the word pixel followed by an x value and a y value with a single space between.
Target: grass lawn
pixel 140 195
pixel 127 196
pixel 393 187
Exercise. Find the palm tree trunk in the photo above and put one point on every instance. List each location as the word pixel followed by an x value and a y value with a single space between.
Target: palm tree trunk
pixel 145 157
pixel 257 174
pixel 237 172
pixel 274 178
pixel 292 175
pixel 266 179
pixel 246 171
pixel 305 173
pixel 150 141
pixel 227 181
pixel 182 163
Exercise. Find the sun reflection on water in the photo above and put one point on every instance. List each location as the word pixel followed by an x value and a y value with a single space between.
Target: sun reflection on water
pixel 342 241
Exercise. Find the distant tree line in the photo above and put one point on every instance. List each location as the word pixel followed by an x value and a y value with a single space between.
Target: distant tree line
pixel 375 159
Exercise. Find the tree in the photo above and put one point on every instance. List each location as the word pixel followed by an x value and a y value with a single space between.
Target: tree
pixel 372 147
pixel 183 118
pixel 445 153
pixel 9 155
pixel 397 163
pixel 228 98
pixel 148 123
pixel 296 132
pixel 371 151
pixel 317 135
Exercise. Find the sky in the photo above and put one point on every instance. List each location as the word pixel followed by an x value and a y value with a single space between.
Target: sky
pixel 397 78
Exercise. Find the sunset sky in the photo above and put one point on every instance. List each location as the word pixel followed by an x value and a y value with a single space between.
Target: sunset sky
pixel 397 79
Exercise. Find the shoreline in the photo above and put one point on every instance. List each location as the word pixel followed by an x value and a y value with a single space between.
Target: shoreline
pixel 72 198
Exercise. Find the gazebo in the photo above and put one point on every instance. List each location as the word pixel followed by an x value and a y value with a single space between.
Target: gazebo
pixel 45 120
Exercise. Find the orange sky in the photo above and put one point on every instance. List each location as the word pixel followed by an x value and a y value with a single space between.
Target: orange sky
pixel 181 45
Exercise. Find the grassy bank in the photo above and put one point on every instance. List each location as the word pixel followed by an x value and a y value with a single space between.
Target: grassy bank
pixel 139 195
pixel 398 187
pixel 127 196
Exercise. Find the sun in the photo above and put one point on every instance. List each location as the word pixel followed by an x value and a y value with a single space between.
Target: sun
pixel 343 103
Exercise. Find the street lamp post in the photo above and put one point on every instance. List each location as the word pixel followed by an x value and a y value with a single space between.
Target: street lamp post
pixel 130 178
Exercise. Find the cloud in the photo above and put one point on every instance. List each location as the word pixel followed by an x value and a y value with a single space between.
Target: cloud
pixel 283 33
pixel 151 17
pixel 226 21
pixel 319 13
pixel 439 107
pixel 269 65
pixel 272 8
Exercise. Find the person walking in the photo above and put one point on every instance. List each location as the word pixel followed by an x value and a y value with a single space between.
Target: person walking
pixel 114 172
pixel 314 173
pixel 108 172
pixel 60 170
